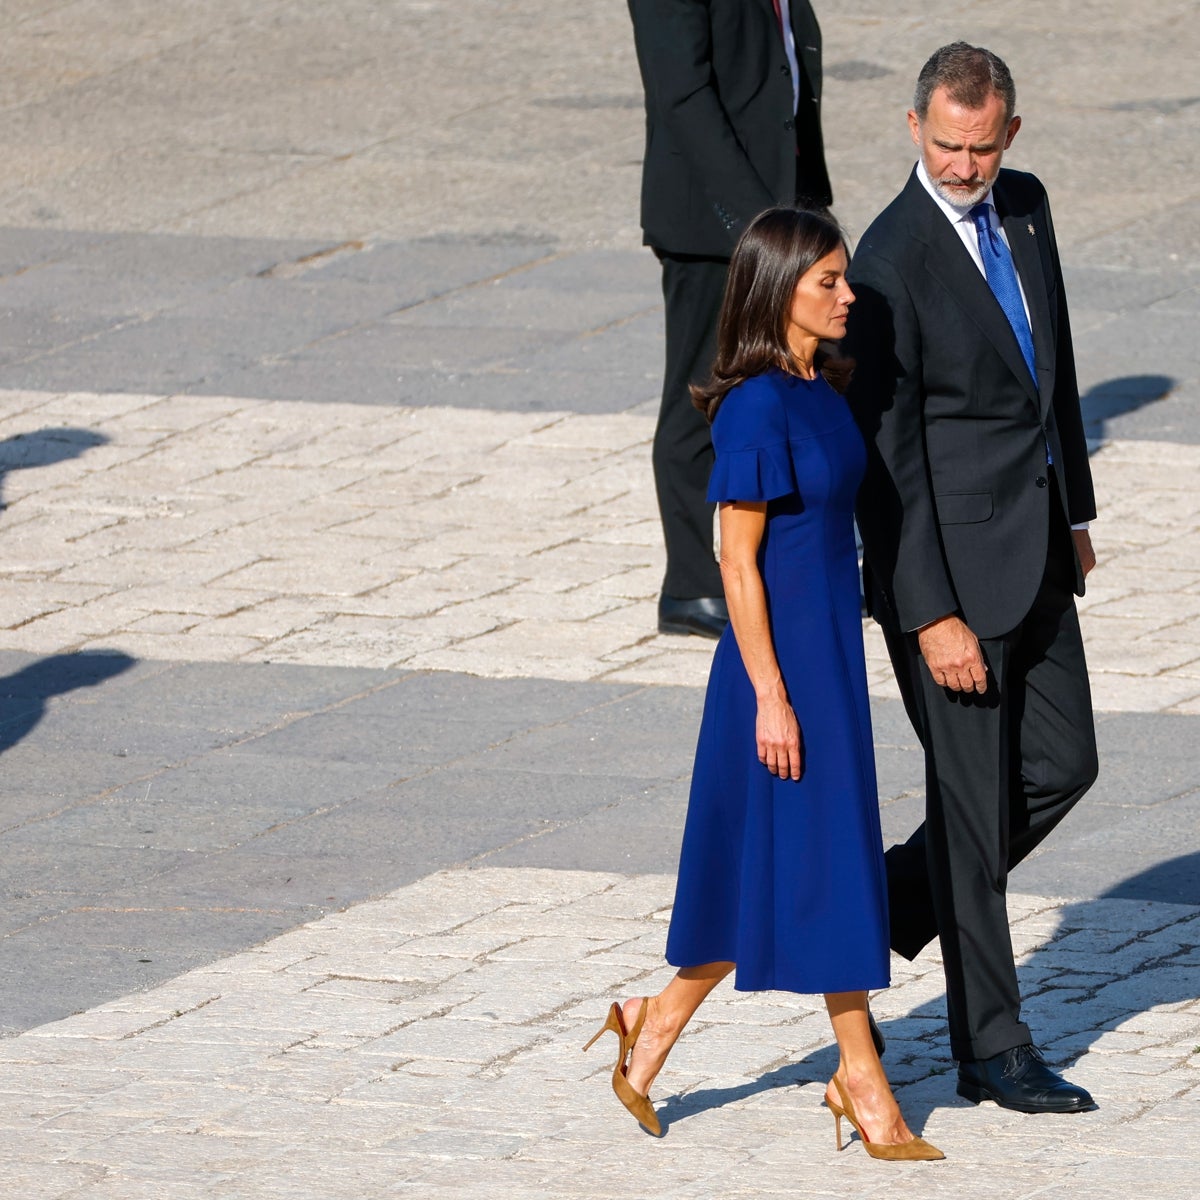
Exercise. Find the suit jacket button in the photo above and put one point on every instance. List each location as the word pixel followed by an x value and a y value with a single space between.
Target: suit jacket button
pixel 1040 481
pixel 789 124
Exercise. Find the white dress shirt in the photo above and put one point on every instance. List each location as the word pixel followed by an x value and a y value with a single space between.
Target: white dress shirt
pixel 964 226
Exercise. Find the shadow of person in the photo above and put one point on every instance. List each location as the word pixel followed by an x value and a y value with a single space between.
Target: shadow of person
pixel 1175 881
pixel 1113 960
pixel 44 448
pixel 1088 968
pixel 24 693
pixel 1116 397
pixel 818 1066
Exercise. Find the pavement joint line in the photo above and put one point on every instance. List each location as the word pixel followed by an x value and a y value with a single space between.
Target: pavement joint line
pixel 332 579
pixel 452 1069
pixel 473 284
pixel 293 268
pixel 449 1073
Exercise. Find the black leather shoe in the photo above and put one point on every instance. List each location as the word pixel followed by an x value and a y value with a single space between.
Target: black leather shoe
pixel 876 1035
pixel 706 616
pixel 1019 1079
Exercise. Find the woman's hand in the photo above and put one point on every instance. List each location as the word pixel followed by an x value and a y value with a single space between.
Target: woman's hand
pixel 776 730
pixel 777 733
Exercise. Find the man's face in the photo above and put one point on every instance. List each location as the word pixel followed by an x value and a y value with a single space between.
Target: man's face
pixel 962 147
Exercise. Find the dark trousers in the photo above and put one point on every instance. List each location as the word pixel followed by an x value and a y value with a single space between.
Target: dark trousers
pixel 1001 770
pixel 683 453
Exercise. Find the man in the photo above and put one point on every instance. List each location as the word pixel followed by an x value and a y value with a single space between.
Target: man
pixel 732 127
pixel 974 520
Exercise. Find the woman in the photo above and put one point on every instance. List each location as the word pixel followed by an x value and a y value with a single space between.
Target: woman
pixel 781 874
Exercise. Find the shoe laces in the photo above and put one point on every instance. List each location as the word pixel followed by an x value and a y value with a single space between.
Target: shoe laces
pixel 1020 1058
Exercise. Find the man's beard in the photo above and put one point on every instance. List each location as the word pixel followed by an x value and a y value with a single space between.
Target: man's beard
pixel 954 193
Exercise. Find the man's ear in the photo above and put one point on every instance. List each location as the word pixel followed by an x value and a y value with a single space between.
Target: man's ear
pixel 914 126
pixel 1013 126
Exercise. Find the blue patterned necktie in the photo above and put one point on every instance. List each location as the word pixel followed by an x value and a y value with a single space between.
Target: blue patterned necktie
pixel 1002 279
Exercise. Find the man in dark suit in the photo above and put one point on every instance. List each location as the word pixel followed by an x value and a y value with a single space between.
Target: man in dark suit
pixel 733 126
pixel 974 521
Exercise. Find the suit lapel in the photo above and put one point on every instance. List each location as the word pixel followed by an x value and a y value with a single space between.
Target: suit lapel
pixel 1022 233
pixel 949 262
pixel 768 6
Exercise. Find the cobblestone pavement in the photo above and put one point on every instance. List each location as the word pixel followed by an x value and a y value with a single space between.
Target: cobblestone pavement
pixel 343 769
pixel 429 1044
pixel 428 538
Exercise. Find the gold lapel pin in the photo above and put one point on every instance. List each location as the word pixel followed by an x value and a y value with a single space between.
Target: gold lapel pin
pixel 1030 228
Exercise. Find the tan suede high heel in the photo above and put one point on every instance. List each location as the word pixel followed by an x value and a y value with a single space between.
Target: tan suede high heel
pixel 918 1150
pixel 635 1102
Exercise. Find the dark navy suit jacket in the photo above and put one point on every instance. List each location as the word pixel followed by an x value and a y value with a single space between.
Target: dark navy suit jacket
pixel 955 508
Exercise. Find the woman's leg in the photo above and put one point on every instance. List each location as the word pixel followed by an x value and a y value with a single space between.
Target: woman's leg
pixel 861 1072
pixel 667 1014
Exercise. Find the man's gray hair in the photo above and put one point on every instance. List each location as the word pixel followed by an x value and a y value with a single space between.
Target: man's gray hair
pixel 970 74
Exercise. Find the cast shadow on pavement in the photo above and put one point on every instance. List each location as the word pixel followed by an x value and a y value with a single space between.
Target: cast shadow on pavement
pixel 819 1066
pixel 1096 1010
pixel 25 693
pixel 1118 397
pixel 44 448
pixel 1175 881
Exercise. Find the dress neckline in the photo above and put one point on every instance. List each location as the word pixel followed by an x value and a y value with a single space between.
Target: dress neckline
pixel 793 380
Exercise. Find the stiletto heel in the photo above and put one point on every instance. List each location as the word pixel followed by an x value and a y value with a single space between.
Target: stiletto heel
pixel 614 1022
pixel 918 1150
pixel 635 1102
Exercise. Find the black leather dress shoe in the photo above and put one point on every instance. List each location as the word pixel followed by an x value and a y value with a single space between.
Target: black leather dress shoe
pixel 706 616
pixel 1019 1079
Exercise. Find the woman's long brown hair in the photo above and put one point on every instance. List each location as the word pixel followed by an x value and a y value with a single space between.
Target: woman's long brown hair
pixel 774 251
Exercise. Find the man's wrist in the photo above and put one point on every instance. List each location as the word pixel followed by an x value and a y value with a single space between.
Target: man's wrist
pixel 936 621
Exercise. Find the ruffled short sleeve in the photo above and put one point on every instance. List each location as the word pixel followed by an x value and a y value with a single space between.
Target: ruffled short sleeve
pixel 750 437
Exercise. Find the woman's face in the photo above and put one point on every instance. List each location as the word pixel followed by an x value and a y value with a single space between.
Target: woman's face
pixel 821 301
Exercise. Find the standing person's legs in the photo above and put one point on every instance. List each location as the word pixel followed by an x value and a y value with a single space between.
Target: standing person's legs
pixel 683 454
pixel 647 1028
pixel 1055 759
pixel 859 1089
pixel 949 879
pixel 1052 762
pixel 667 1014
pixel 968 800
pixel 863 1090
pixel 1002 770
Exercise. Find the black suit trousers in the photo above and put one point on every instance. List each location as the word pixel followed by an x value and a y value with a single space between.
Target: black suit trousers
pixel 1002 769
pixel 683 452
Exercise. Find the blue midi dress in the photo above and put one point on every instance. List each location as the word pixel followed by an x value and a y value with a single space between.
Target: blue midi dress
pixel 785 877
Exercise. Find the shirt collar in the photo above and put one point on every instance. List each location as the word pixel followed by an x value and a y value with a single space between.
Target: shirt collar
pixel 953 213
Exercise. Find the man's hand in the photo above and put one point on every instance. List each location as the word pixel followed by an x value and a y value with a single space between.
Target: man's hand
pixel 1083 547
pixel 951 652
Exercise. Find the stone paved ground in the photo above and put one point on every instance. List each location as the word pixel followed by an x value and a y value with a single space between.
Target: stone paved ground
pixel 520 544
pixel 342 768
pixel 428 1043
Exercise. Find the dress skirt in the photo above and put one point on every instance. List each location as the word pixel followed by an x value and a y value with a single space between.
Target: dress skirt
pixel 785 878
